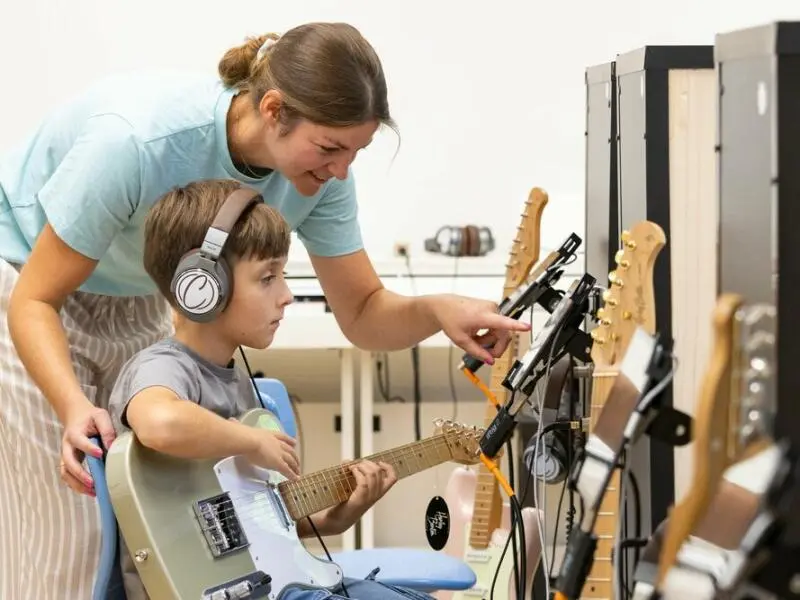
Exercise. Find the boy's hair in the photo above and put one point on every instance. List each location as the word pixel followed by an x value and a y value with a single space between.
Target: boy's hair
pixel 179 220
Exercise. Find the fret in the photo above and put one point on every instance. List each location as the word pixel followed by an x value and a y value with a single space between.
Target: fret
pixel 328 487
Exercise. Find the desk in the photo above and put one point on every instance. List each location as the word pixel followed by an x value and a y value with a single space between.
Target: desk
pixel 306 326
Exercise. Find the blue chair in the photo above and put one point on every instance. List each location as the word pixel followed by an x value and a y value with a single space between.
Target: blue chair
pixel 422 570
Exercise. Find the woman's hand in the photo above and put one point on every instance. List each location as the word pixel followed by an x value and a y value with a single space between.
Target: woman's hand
pixel 461 319
pixel 373 480
pixel 81 423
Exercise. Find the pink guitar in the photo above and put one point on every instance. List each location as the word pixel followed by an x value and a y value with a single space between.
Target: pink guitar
pixel 479 519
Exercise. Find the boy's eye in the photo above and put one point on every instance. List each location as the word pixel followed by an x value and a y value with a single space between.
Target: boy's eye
pixel 328 149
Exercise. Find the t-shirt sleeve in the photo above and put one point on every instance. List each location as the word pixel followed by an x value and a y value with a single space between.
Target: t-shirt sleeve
pixel 144 371
pixel 96 188
pixel 332 228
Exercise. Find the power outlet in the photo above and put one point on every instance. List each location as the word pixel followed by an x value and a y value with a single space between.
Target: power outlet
pixel 401 249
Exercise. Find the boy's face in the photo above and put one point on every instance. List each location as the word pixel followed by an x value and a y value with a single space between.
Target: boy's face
pixel 260 295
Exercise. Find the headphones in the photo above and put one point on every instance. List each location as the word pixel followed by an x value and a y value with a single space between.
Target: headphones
pixel 469 240
pixel 552 463
pixel 203 280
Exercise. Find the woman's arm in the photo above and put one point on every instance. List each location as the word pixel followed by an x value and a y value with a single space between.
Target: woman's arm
pixel 53 271
pixel 373 318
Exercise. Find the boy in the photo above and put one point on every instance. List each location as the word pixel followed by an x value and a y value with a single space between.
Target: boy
pixel 179 395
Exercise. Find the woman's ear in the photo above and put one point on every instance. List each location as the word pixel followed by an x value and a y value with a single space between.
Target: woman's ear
pixel 270 107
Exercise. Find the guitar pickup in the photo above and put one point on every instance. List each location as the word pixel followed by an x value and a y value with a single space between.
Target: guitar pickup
pixel 220 525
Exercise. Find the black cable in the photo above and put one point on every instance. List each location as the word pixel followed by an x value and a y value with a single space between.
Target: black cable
pixel 385 387
pixel 310 522
pixel 415 362
pixel 325 548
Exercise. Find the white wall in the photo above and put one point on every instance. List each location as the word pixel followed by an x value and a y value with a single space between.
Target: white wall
pixel 489 97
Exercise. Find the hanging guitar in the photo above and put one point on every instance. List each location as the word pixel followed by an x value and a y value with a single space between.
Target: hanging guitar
pixel 733 425
pixel 480 521
pixel 587 570
pixel 207 529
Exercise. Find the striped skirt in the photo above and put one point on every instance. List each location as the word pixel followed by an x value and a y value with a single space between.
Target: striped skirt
pixel 49 535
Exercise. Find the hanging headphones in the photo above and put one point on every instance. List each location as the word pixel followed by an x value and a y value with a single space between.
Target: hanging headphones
pixel 203 280
pixel 553 454
pixel 469 240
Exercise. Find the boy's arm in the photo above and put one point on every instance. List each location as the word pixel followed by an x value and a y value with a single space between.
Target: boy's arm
pixel 324 525
pixel 168 424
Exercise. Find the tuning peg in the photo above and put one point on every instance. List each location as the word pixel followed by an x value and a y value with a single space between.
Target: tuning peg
pixel 608 298
pixel 614 279
pixel 619 258
pixel 598 339
pixel 626 314
pixel 601 313
pixel 605 322
pixel 625 238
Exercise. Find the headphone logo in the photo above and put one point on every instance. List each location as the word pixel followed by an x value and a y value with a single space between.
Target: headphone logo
pixel 197 291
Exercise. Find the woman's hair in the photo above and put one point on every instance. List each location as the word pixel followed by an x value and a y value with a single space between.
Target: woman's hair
pixel 179 220
pixel 326 73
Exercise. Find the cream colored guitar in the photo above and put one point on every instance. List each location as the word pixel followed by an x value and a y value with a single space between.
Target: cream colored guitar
pixel 480 520
pixel 629 304
pixel 733 425
pixel 200 529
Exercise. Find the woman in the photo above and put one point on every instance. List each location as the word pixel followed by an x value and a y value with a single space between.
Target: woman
pixel 288 118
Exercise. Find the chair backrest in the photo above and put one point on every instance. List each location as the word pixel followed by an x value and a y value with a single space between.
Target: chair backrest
pixel 275 398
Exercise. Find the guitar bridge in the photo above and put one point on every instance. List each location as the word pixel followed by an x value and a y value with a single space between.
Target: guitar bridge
pixel 220 525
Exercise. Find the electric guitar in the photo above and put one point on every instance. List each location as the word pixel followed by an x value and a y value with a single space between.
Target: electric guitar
pixel 201 529
pixel 628 305
pixel 733 424
pixel 480 520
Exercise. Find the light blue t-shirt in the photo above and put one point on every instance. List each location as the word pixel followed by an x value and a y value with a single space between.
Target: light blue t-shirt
pixel 97 164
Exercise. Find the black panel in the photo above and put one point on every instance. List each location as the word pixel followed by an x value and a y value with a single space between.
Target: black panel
pixel 644 193
pixel 759 191
pixel 602 227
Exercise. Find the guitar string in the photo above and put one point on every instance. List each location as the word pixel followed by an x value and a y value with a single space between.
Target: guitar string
pixel 337 476
pixel 260 497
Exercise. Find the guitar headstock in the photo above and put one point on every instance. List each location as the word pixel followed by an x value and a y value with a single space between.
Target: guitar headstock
pixel 525 249
pixel 734 414
pixel 463 441
pixel 629 301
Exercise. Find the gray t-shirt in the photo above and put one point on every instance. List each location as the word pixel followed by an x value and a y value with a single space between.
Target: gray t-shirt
pixel 225 391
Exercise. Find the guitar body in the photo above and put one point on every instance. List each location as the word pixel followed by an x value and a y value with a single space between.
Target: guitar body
pixel 171 512
pixel 459 495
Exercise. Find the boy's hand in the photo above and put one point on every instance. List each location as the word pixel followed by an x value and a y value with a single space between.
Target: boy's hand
pixel 372 482
pixel 276 451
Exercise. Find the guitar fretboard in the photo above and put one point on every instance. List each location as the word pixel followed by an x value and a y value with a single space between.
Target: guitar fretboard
pixel 317 491
pixel 599 582
pixel 487 504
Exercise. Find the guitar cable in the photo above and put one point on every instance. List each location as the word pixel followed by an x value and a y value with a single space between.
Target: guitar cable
pixel 308 517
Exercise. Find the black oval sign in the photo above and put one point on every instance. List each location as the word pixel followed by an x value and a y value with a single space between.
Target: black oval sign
pixel 437 523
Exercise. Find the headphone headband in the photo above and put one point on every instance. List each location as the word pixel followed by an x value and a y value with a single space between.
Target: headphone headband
pixel 203 281
pixel 229 213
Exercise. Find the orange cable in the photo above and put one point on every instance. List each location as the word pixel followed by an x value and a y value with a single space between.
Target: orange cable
pixel 481 386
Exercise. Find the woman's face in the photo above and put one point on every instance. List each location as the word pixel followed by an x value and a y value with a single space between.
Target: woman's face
pixel 310 154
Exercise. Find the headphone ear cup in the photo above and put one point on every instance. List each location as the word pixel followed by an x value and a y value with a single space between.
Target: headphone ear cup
pixel 551 458
pixel 198 286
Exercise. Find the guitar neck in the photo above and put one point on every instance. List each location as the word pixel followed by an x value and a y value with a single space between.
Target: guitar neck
pixel 599 582
pixel 487 504
pixel 317 491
